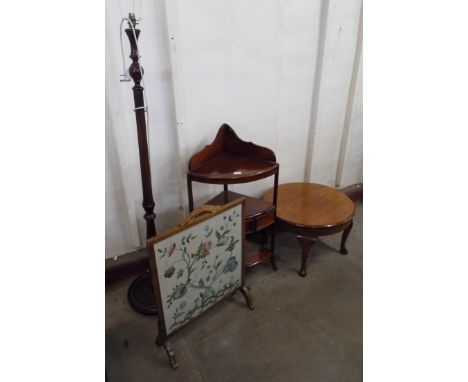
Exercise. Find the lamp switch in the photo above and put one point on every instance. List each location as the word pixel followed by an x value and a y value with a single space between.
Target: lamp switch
pixel 126 76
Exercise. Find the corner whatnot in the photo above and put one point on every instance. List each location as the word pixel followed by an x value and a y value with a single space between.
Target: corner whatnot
pixel 230 160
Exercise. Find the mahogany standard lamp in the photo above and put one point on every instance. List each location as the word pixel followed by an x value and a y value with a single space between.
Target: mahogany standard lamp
pixel 140 293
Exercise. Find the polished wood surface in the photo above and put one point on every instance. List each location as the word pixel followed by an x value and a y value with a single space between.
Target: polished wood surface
pixel 312 205
pixel 311 210
pixel 228 142
pixel 232 169
pixel 229 159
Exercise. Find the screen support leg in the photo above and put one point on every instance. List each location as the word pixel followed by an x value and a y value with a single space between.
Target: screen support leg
pixel 170 355
pixel 248 298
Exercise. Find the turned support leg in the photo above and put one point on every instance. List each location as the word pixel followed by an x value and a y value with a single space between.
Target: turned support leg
pixel 248 298
pixel 162 341
pixel 170 355
pixel 346 232
pixel 273 263
pixel 306 244
pixel 272 248
pixel 264 237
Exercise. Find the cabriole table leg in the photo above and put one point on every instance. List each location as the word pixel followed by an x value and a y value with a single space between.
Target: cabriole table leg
pixel 346 232
pixel 306 244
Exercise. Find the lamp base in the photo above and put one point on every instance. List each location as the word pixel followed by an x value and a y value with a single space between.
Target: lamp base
pixel 141 295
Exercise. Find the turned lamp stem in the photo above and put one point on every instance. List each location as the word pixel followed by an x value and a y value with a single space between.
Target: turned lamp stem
pixel 136 73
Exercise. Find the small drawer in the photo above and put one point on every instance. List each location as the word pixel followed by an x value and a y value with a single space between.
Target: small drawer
pixel 256 223
pixel 265 219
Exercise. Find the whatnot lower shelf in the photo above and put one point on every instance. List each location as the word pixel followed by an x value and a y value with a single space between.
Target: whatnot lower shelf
pixel 255 254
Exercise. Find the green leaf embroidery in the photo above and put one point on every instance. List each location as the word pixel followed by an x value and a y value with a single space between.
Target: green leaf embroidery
pixel 180 273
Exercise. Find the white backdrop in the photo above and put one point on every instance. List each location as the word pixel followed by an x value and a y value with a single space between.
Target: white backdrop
pixel 286 74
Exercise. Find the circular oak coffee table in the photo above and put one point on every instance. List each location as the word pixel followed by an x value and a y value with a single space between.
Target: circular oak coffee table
pixel 311 210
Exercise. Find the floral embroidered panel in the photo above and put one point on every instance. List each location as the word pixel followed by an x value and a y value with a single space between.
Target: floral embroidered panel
pixel 199 266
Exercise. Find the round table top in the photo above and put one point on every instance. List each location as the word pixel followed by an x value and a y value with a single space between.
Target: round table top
pixel 311 205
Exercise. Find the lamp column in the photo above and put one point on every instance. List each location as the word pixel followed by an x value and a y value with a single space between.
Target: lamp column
pixel 140 293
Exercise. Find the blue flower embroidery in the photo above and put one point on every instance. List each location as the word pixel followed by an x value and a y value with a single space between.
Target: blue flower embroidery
pixel 231 265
